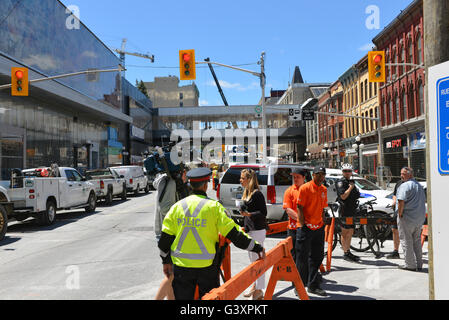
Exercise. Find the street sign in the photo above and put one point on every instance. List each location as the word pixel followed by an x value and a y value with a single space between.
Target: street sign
pixel 294 114
pixel 437 146
pixel 443 125
pixel 308 115
pixel 258 109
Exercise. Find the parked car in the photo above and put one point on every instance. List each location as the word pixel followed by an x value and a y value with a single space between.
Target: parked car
pixel 108 184
pixel 274 179
pixel 136 180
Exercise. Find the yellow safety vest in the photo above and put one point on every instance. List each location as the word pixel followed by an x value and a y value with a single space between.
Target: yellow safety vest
pixel 196 222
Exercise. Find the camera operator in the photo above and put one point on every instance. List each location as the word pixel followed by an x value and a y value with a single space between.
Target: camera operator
pixel 347 197
pixel 171 186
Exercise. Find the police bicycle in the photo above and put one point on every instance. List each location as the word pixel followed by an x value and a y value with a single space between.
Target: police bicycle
pixel 371 234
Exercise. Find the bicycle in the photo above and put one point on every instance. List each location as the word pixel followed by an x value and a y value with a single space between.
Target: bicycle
pixel 370 236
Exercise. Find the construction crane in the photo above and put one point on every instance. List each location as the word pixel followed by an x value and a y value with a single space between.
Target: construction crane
pixel 122 53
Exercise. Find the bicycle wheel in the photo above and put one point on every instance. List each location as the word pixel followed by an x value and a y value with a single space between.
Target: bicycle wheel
pixel 362 244
pixel 371 234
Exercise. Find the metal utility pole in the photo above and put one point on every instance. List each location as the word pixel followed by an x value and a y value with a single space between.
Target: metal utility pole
pixel 261 76
pixel 436 51
pixel 264 113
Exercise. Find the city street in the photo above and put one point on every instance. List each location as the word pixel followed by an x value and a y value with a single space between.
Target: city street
pixel 112 255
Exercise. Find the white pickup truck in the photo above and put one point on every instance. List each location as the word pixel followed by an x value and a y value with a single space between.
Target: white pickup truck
pixel 38 194
pixel 6 208
pixel 108 184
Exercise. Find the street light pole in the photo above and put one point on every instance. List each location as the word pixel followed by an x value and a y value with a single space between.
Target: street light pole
pixel 264 113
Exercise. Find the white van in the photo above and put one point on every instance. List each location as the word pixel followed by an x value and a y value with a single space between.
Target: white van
pixel 136 180
pixel 274 180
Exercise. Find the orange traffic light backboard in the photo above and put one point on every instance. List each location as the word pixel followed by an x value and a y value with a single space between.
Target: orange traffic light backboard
pixel 187 64
pixel 19 82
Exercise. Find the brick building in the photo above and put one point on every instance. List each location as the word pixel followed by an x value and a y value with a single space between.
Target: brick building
pixel 401 98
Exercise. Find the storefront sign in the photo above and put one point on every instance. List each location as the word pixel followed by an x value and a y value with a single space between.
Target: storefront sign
pixel 137 133
pixel 395 144
pixel 418 141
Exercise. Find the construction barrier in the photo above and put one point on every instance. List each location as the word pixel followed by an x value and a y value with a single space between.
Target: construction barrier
pixel 284 269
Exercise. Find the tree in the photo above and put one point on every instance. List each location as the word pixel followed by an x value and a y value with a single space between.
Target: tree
pixel 141 86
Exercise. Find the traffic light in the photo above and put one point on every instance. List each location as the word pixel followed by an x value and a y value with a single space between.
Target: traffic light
pixel 19 82
pixel 376 66
pixel 187 64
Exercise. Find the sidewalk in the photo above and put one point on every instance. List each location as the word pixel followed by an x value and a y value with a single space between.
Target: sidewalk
pixel 371 279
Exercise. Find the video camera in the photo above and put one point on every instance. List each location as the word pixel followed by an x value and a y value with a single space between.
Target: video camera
pixel 159 162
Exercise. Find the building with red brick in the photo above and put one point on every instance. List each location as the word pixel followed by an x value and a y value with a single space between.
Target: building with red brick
pixel 401 97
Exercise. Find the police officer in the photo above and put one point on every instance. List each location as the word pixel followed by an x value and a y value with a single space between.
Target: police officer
pixel 190 234
pixel 347 195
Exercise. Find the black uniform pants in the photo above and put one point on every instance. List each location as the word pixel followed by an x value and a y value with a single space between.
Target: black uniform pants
pixel 186 279
pixel 309 255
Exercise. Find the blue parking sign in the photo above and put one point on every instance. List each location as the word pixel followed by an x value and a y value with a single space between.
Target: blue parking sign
pixel 443 125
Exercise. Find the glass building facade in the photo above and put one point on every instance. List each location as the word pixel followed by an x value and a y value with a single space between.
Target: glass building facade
pixel 71 121
pixel 42 35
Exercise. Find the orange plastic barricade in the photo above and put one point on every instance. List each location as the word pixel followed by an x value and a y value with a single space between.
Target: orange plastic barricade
pixel 330 240
pixel 277 227
pixel 284 268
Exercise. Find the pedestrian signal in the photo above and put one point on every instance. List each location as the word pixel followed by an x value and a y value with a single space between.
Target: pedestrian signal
pixel 187 64
pixel 376 66
pixel 19 82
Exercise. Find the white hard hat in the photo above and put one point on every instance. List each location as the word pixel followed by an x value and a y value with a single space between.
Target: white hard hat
pixel 346 166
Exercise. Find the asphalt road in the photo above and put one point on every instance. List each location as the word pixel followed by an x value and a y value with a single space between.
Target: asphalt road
pixel 112 254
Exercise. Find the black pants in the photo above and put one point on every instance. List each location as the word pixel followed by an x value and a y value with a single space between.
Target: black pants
pixel 292 233
pixel 186 279
pixel 309 255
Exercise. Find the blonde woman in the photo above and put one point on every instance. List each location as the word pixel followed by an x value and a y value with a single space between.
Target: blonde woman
pixel 254 209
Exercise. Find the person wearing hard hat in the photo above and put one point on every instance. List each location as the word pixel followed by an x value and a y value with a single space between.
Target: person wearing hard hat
pixel 189 239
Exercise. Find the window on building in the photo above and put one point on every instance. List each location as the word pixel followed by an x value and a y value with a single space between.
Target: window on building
pixel 352 97
pixel 361 92
pixel 375 88
pixel 356 96
pixel 181 96
pixel 398 106
pixel 371 122
pixel 181 104
pixel 370 90
pixel 411 103
pixel 403 59
pixel 404 106
pixel 366 89
pixel 390 118
pixel 418 48
pixel 375 116
pixel 410 53
pixel 363 123
pixel 421 97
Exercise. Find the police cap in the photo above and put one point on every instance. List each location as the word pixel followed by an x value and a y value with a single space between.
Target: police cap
pixel 199 174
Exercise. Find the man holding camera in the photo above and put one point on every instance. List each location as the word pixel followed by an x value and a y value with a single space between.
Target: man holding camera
pixel 347 197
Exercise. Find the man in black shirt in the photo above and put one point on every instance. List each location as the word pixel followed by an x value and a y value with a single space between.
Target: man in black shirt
pixel 347 197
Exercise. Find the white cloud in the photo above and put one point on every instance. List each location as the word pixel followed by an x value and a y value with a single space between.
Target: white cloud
pixel 237 86
pixel 367 47
pixel 203 103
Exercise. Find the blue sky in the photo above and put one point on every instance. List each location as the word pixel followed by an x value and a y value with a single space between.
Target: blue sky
pixel 324 38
